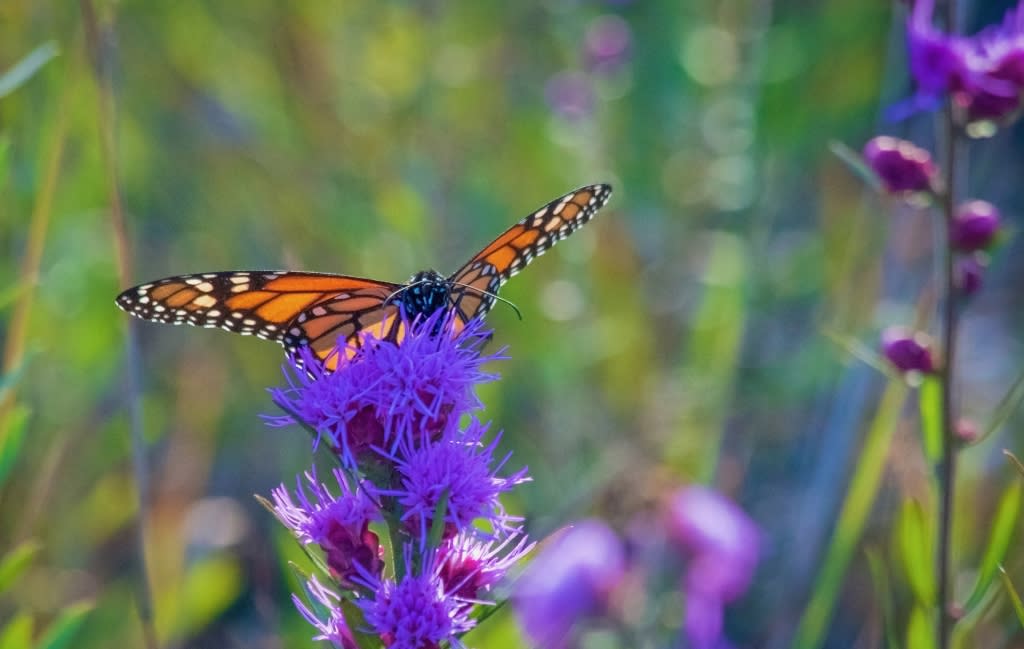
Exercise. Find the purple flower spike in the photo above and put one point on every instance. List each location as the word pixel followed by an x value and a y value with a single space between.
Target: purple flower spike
pixel 391 411
pixel 386 392
pixel 570 581
pixel 974 226
pixel 901 166
pixel 970 274
pixel 907 350
pixel 460 469
pixel 721 546
pixel 338 524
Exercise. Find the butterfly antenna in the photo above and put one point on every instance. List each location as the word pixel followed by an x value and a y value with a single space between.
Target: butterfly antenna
pixel 401 289
pixel 492 295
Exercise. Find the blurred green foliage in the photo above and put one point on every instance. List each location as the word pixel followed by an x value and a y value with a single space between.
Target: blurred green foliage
pixel 677 338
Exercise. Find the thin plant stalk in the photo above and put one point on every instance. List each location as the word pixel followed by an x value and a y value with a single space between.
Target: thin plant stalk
pixel 947 463
pixel 99 54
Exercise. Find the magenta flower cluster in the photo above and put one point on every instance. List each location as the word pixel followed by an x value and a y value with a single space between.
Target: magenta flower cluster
pixel 409 534
pixel 700 545
pixel 983 74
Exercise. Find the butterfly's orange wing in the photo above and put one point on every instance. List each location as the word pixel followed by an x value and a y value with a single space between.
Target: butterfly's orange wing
pixel 268 304
pixel 331 324
pixel 474 285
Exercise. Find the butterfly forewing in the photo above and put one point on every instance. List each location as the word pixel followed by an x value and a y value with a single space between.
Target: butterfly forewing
pixel 475 284
pixel 251 303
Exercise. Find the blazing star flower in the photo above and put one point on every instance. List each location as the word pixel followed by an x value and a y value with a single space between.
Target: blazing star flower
pixel 569 582
pixel 721 546
pixel 333 629
pixel 458 470
pixel 470 566
pixel 415 612
pixel 386 392
pixel 338 524
pixel 983 73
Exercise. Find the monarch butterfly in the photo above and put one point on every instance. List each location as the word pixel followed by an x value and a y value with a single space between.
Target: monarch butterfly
pixel 318 310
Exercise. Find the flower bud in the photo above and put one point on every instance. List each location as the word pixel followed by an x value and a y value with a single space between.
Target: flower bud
pixel 967 431
pixel 974 226
pixel 901 166
pixel 907 350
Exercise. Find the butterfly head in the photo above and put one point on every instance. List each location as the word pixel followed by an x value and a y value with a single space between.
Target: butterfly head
pixel 426 292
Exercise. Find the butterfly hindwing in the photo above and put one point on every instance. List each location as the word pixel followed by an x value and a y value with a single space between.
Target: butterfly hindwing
pixel 474 284
pixel 341 320
pixel 251 303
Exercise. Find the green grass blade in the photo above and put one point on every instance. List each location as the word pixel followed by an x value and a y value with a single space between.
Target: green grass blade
pixel 1006 407
pixel 855 163
pixel 15 562
pixel 930 406
pixel 65 627
pixel 917 554
pixel 883 594
pixel 12 438
pixel 24 69
pixel 850 526
pixel 1018 606
pixel 1003 525
pixel 919 629
pixel 17 633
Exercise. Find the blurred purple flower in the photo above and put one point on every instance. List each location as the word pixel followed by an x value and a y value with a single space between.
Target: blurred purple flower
pixel 457 468
pixel 340 525
pixel 974 226
pixel 607 42
pixel 569 581
pixel 901 166
pixel 983 73
pixel 907 350
pixel 385 392
pixel 969 274
pixel 721 545
pixel 570 94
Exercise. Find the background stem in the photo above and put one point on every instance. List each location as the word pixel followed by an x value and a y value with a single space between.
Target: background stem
pixel 947 465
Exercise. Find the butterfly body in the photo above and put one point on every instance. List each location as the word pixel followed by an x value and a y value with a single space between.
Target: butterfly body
pixel 319 310
pixel 427 292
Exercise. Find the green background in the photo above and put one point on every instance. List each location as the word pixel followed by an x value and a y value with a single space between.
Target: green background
pixel 689 334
